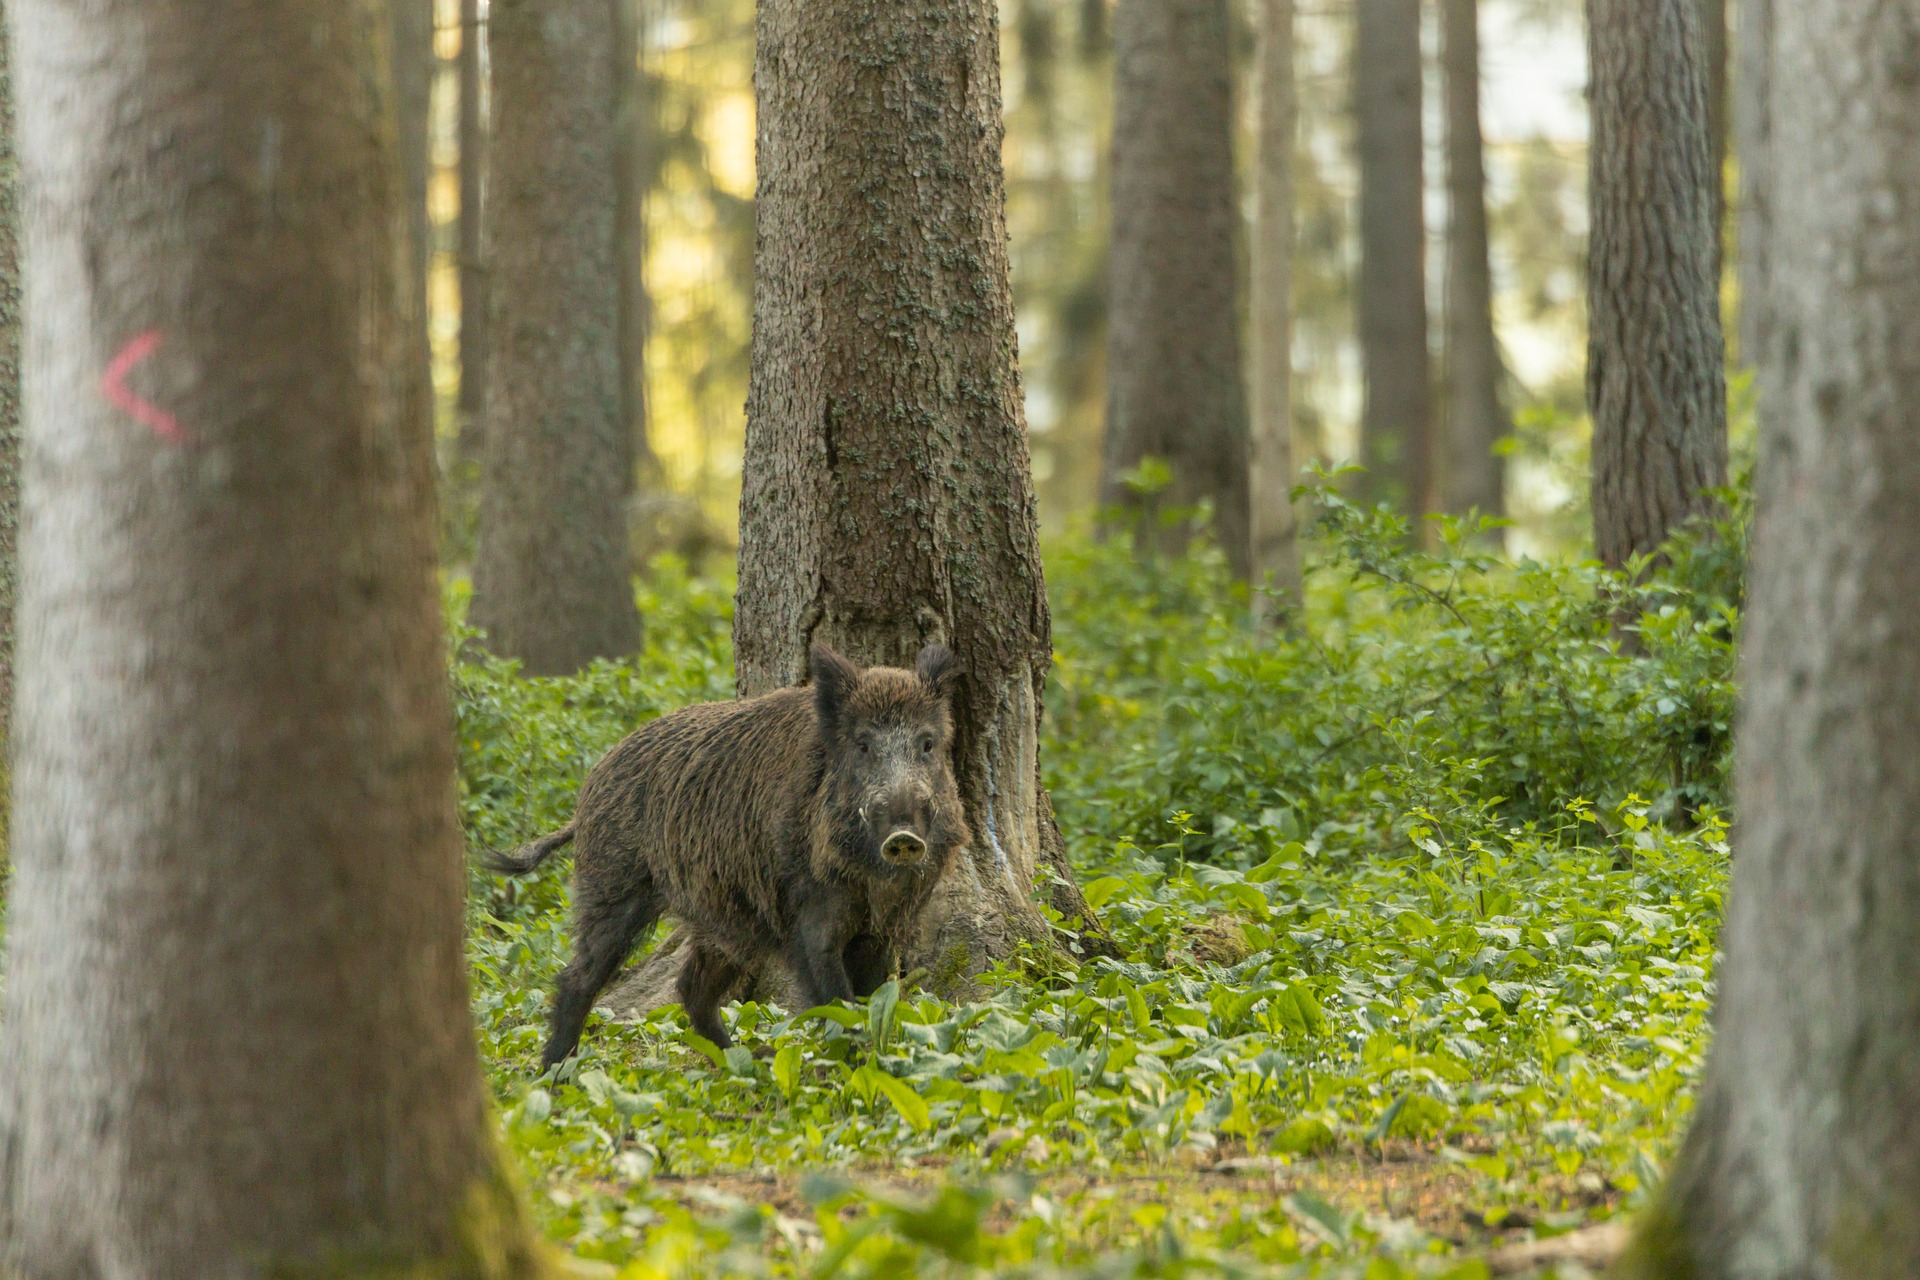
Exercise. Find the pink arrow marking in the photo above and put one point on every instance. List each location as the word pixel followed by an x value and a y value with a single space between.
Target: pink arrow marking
pixel 114 386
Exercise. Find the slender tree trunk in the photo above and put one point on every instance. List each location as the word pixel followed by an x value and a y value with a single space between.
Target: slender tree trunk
pixel 1656 379
pixel 235 1039
pixel 1754 113
pixel 1804 1155
pixel 1713 27
pixel 412 53
pixel 1396 418
pixel 633 169
pixel 1477 421
pixel 551 582
pixel 473 269
pixel 887 499
pixel 1175 388
pixel 1276 548
pixel 9 391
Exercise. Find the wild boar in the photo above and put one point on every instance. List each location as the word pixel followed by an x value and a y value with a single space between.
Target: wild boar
pixel 808 825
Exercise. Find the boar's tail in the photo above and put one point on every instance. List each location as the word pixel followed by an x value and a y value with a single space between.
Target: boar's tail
pixel 529 856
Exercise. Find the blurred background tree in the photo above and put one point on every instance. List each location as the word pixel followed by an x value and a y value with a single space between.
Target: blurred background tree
pixel 695 154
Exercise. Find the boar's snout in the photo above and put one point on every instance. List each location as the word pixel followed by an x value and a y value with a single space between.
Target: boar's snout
pixel 903 849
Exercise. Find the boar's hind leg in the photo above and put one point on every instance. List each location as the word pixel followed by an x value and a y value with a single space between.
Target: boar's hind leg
pixel 705 979
pixel 869 963
pixel 603 934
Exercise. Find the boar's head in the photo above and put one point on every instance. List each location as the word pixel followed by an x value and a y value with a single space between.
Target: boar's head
pixel 892 804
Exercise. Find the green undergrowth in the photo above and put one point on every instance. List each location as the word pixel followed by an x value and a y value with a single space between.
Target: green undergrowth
pixel 1418 907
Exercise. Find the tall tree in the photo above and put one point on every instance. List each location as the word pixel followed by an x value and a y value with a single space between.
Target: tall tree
pixel 472 128
pixel 9 385
pixel 1174 380
pixel 1656 381
pixel 1476 419
pixel 633 171
pixel 411 23
pixel 1396 419
pixel 1713 26
pixel 235 1038
pixel 1275 544
pixel 887 500
pixel 1801 1160
pixel 551 581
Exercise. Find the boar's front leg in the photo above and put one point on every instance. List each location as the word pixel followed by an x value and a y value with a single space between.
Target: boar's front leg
pixel 820 925
pixel 869 963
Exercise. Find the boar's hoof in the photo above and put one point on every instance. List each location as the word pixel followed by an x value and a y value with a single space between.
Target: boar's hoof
pixel 903 848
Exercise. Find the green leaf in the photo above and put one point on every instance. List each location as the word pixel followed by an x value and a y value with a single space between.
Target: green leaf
pixel 909 1104
pixel 786 1070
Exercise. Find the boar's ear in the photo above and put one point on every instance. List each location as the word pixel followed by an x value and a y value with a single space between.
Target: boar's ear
pixel 936 670
pixel 834 679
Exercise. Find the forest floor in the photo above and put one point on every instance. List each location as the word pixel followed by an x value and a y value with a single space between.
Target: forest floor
pixel 1418 909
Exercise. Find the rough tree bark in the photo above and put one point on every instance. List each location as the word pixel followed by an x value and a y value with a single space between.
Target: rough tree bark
pixel 1175 388
pixel 473 270
pixel 1474 478
pixel 1804 1155
pixel 1396 417
pixel 1272 473
pixel 235 1038
pixel 887 497
pixel 551 582
pixel 1656 378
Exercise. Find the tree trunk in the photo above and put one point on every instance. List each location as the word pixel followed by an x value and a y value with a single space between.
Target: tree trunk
pixel 413 61
pixel 1275 547
pixel 887 498
pixel 633 169
pixel 1175 389
pixel 1656 379
pixel 1754 113
pixel 236 1039
pixel 1804 1155
pixel 551 582
pixel 473 270
pixel 9 392
pixel 1475 479
pixel 1713 27
pixel 1396 418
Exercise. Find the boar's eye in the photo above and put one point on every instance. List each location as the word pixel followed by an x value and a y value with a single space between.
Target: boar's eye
pixel 865 746
pixel 926 744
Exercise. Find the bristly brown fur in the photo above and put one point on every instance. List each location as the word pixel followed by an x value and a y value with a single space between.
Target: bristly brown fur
pixel 763 825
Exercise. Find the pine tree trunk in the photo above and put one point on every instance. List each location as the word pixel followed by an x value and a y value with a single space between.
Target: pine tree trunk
pixel 887 499
pixel 551 581
pixel 1754 119
pixel 1656 381
pixel 1273 473
pixel 1474 478
pixel 413 84
pixel 1175 388
pixel 1396 417
pixel 473 271
pixel 9 391
pixel 1713 27
pixel 412 54
pixel 633 166
pixel 1804 1155
pixel 235 1039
